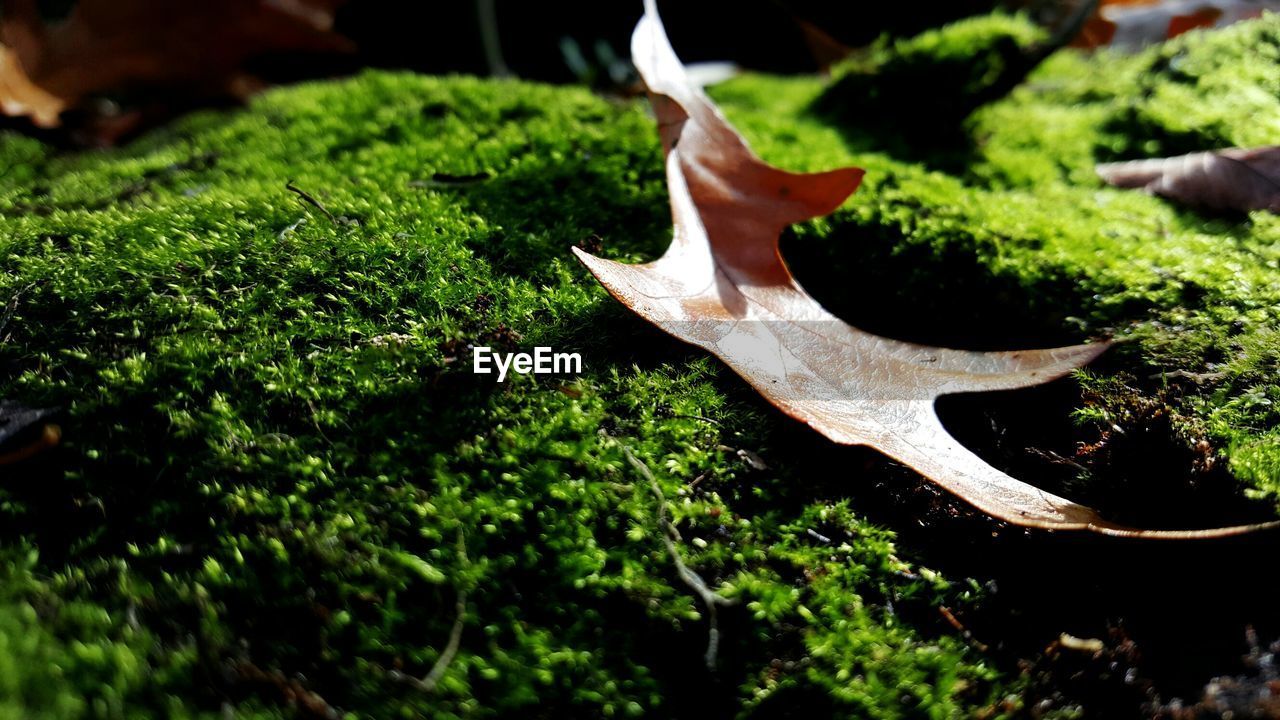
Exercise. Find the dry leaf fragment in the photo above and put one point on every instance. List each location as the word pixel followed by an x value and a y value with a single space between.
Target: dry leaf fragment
pixel 1233 179
pixel 106 45
pixel 19 97
pixel 15 419
pixel 723 286
pixel 825 49
pixel 1133 24
pixel 25 431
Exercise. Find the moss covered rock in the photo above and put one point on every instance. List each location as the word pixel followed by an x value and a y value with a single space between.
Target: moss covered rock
pixel 930 82
pixel 279 472
pixel 280 479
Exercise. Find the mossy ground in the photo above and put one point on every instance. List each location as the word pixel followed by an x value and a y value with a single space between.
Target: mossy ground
pixel 279 472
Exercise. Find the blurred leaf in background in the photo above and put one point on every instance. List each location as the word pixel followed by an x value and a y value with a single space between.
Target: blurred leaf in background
pixel 1133 24
pixel 161 49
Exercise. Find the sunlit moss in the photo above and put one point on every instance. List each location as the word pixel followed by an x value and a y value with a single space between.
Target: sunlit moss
pixel 277 460
pixel 276 442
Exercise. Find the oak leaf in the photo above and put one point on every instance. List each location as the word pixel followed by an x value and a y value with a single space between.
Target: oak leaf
pixel 1232 179
pixel 110 45
pixel 723 286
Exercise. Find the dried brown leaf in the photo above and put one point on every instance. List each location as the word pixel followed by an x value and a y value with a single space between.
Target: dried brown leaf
pixel 825 49
pixel 1234 179
pixel 107 45
pixel 25 431
pixel 723 286
pixel 1133 24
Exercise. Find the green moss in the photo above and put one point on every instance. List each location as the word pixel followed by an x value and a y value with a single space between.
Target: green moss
pixel 935 78
pixel 1218 310
pixel 274 443
pixel 62 657
pixel 1201 91
pixel 273 440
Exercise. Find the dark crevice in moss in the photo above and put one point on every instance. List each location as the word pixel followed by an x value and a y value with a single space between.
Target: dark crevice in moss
pixel 909 97
pixel 946 298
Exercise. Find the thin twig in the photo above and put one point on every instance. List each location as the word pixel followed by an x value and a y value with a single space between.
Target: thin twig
pixel 1085 645
pixel 703 418
pixel 709 597
pixel 1196 377
pixel 954 622
pixel 315 421
pixel 1057 459
pixel 11 307
pixel 292 228
pixel 306 702
pixel 753 460
pixel 428 682
pixel 817 536
pixel 307 198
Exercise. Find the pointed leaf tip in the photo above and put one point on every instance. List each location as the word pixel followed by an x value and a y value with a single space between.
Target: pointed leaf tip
pixel 724 287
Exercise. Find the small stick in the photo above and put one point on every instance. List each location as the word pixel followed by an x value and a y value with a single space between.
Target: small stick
pixel 1057 459
pixel 694 417
pixel 709 597
pixel 292 228
pixel 428 682
pixel 12 306
pixel 1087 645
pixel 1196 377
pixel 964 631
pixel 817 536
pixel 307 198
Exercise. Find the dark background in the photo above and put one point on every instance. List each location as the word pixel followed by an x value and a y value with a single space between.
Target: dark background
pixel 445 37
pixel 759 34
